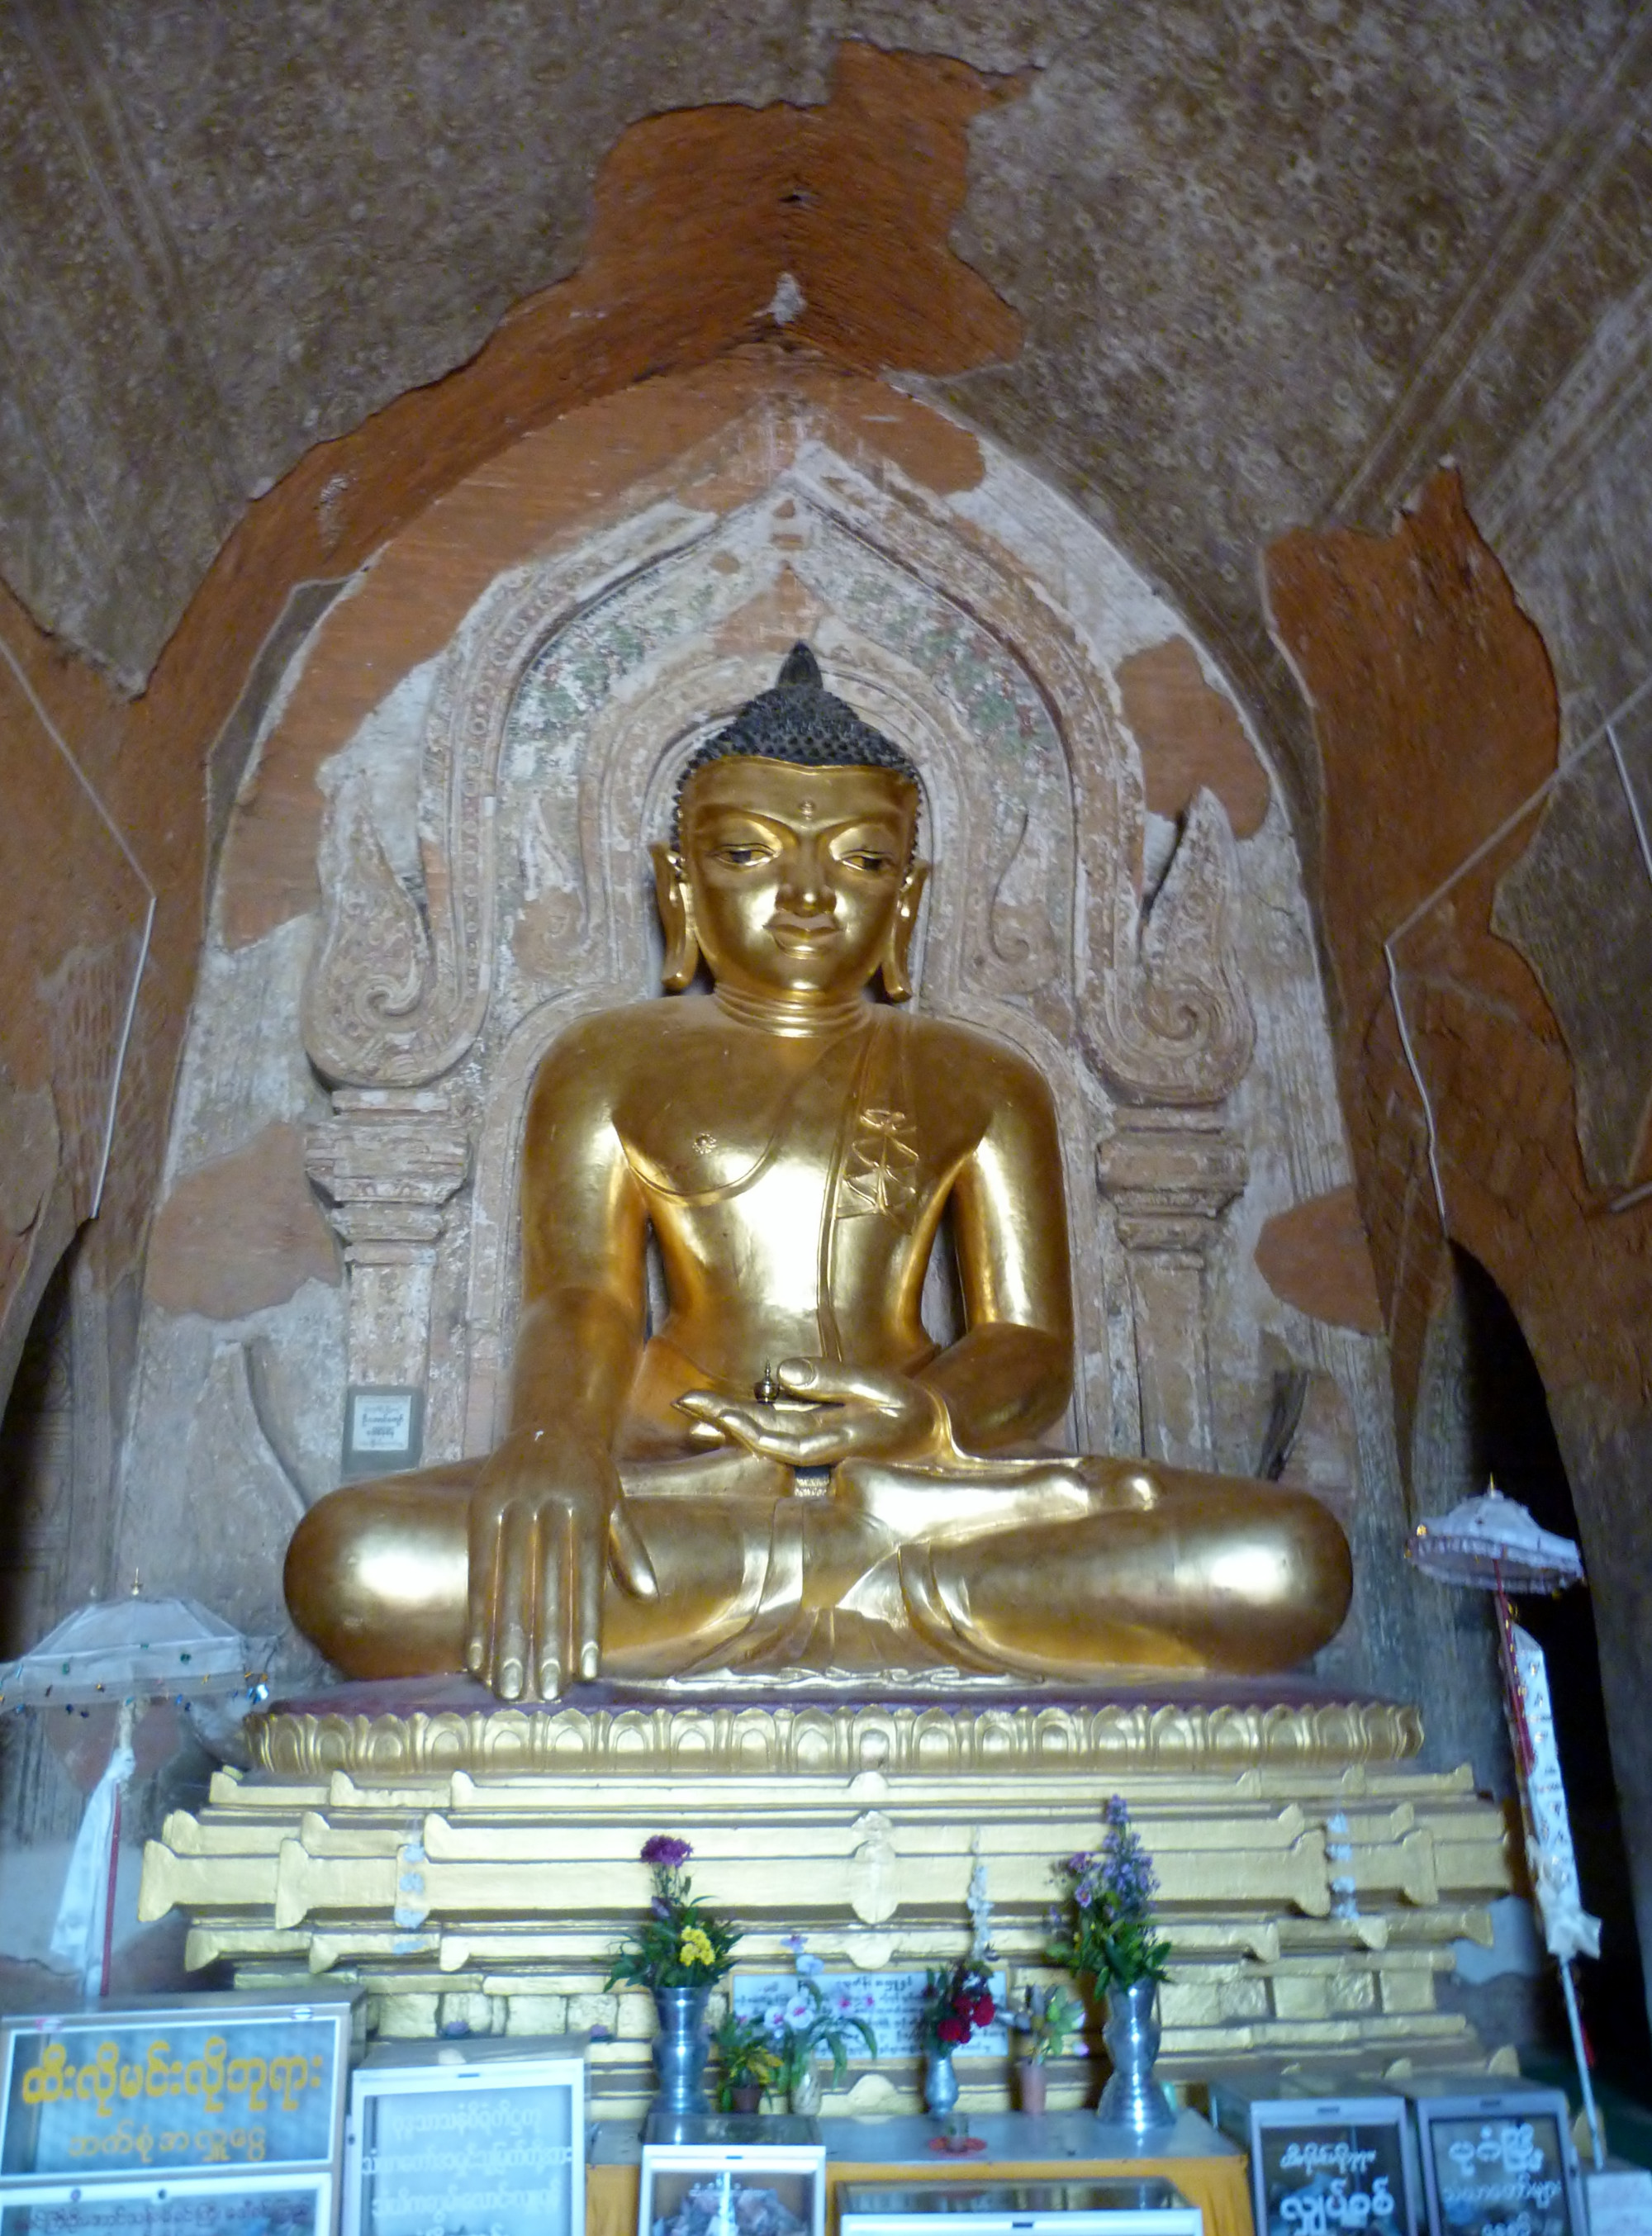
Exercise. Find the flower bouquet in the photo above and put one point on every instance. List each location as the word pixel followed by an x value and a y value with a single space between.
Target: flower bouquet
pixel 1046 2020
pixel 677 1952
pixel 817 2020
pixel 1105 1932
pixel 680 1944
pixel 957 2000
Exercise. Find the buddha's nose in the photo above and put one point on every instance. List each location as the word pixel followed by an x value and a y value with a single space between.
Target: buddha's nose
pixel 804 890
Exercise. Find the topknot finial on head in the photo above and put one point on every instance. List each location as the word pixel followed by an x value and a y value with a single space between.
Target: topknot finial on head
pixel 797 719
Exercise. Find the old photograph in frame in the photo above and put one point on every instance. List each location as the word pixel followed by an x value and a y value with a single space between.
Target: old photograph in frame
pixel 229 2202
pixel 717 2188
pixel 447 2136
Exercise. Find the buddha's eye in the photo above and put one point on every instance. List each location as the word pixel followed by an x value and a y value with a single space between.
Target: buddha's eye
pixel 746 857
pixel 869 859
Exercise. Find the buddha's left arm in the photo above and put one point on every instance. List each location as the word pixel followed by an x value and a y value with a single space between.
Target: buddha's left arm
pixel 1010 1375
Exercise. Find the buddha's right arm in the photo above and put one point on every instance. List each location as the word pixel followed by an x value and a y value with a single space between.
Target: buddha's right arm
pixel 575 1360
pixel 584 1231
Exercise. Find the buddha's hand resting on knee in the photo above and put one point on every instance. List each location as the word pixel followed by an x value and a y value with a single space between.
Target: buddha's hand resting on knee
pixel 862 1413
pixel 546 1519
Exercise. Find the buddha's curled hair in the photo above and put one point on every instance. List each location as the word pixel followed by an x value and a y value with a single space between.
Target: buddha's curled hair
pixel 799 720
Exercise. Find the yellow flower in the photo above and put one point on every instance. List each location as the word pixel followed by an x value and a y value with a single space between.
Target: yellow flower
pixel 696 1948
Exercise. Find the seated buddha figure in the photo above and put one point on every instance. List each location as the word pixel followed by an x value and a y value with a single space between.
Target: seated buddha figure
pixel 789 1472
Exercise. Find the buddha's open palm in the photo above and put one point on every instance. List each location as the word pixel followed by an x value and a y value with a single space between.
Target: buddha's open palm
pixel 545 1520
pixel 860 1413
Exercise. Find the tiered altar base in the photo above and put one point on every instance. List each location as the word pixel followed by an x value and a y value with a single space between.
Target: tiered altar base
pixel 472 1867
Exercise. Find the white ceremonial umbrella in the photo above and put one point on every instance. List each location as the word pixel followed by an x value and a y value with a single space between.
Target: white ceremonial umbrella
pixel 1490 1543
pixel 124 1654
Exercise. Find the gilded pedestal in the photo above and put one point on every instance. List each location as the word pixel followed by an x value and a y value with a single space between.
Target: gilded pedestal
pixel 476 1868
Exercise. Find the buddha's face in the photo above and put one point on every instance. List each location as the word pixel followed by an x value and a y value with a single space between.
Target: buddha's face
pixel 797 875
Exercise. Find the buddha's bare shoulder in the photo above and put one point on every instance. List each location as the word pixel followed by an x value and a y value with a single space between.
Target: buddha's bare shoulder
pixel 604 1048
pixel 943 1048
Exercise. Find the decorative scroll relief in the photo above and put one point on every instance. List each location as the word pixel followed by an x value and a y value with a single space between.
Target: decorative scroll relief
pixel 1177 1028
pixel 398 994
pixel 1164 1016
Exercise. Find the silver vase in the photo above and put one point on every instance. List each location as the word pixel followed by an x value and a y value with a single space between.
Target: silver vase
pixel 1132 2097
pixel 680 2048
pixel 940 2083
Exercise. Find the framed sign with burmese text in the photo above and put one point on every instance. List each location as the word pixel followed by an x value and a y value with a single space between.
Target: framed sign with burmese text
pixel 446 2137
pixel 179 2087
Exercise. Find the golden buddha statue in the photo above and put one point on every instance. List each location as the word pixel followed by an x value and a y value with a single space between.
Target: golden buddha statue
pixel 790 1473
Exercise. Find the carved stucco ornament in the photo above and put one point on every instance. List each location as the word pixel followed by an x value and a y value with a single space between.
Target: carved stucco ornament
pixel 399 988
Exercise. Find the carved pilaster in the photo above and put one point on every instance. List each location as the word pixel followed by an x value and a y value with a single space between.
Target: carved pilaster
pixel 389 1159
pixel 1170 1175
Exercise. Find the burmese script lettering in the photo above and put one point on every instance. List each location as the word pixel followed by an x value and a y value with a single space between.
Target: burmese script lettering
pixel 215 2079
pixel 1318 2212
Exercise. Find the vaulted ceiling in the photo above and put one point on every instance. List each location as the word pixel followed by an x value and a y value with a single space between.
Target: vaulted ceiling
pixel 1222 267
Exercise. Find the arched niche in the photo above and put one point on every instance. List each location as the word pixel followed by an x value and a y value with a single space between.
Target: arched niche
pixel 484 880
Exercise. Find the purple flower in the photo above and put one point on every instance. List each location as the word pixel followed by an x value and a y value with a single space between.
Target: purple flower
pixel 1116 1815
pixel 665 1852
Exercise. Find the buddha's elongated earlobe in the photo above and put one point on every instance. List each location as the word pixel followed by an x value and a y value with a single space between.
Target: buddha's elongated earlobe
pixel 677 915
pixel 897 976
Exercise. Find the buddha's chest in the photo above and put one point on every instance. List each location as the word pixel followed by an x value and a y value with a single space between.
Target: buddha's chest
pixel 809 1137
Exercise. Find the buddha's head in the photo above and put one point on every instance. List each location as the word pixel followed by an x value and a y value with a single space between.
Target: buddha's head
pixel 791 868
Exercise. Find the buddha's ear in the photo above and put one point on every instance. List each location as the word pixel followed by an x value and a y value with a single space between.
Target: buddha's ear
pixel 677 915
pixel 897 977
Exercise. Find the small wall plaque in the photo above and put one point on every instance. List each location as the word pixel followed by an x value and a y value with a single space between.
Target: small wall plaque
pixel 384 1429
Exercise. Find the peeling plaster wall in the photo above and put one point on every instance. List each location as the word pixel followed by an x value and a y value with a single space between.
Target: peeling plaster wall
pixel 1438 716
pixel 1271 262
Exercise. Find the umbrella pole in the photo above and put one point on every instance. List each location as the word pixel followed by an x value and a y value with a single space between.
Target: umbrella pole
pixel 1520 1732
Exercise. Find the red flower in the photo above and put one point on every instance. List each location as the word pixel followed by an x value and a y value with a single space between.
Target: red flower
pixel 983 2011
pixel 952 2030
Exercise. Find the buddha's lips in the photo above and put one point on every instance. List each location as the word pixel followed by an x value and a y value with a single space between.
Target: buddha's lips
pixel 791 934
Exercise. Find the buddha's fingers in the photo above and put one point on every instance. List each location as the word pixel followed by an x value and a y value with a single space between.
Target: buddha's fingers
pixel 513 1620
pixel 835 1379
pixel 484 1533
pixel 630 1555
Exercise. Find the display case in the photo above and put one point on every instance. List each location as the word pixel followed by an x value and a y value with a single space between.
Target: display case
pixel 1323 2164
pixel 448 2136
pixel 1123 2205
pixel 1499 2159
pixel 732 2176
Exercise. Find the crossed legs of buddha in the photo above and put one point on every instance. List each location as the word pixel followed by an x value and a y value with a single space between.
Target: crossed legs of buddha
pixel 1066 1568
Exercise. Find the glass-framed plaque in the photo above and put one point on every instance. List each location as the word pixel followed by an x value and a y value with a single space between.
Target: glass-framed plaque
pixel 444 2139
pixel 732 2188
pixel 1499 2161
pixel 185 2085
pixel 228 2204
pixel 1321 2165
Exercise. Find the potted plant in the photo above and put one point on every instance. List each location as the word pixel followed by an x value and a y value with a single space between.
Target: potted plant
pixel 957 2002
pixel 1108 1935
pixel 678 1953
pixel 817 2019
pixel 1047 2020
pixel 747 2062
